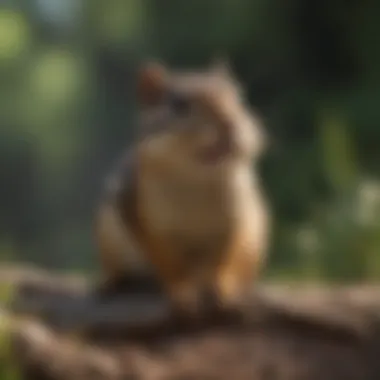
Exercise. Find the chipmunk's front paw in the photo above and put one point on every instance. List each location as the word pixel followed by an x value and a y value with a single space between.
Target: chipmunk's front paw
pixel 219 309
pixel 187 306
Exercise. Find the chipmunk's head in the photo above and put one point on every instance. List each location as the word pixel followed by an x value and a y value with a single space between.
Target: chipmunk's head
pixel 196 115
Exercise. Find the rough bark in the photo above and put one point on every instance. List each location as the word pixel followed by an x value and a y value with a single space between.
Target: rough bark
pixel 282 333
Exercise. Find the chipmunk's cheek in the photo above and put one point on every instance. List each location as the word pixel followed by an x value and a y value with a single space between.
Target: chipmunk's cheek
pixel 209 139
pixel 157 147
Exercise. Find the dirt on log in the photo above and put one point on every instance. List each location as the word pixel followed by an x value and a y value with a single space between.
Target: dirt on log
pixel 283 333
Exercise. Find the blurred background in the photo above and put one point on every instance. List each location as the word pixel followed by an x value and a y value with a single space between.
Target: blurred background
pixel 310 68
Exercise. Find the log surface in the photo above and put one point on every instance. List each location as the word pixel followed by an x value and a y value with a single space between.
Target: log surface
pixel 294 333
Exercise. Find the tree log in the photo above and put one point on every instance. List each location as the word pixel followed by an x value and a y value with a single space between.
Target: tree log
pixel 281 333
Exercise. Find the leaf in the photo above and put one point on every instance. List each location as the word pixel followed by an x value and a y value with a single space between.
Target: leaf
pixel 338 153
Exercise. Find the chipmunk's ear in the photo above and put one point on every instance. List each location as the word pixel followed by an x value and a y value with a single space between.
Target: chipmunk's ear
pixel 150 83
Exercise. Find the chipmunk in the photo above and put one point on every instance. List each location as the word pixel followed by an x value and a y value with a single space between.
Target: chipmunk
pixel 185 207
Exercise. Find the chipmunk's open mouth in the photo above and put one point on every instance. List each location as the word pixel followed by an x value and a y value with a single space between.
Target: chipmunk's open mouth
pixel 215 153
pixel 219 149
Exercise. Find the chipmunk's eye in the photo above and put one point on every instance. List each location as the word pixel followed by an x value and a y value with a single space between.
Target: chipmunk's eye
pixel 179 104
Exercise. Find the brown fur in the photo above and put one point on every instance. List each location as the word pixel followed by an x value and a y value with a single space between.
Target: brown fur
pixel 192 210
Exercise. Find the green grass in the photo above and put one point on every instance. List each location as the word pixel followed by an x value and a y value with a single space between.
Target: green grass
pixel 8 370
pixel 6 292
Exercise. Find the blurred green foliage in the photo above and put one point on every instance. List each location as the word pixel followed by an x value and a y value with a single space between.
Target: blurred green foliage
pixel 8 369
pixel 311 69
